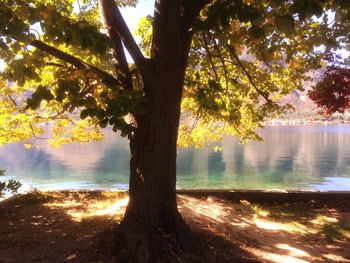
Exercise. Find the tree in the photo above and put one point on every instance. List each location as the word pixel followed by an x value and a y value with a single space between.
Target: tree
pixel 332 94
pixel 223 63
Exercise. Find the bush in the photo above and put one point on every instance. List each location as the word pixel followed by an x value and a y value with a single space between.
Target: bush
pixel 9 186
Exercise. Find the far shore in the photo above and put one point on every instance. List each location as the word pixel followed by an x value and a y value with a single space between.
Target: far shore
pixel 300 122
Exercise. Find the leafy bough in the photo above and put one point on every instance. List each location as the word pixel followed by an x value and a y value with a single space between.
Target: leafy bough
pixel 10 186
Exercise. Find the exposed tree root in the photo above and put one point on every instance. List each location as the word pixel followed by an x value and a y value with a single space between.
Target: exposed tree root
pixel 135 242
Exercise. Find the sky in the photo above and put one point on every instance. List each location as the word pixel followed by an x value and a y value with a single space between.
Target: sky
pixel 132 15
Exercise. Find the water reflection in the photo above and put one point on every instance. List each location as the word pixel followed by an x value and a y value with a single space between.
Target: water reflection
pixel 289 158
pixel 307 157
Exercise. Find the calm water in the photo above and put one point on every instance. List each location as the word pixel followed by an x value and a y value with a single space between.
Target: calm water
pixel 298 157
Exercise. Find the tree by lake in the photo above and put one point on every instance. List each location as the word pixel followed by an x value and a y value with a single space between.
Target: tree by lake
pixel 224 64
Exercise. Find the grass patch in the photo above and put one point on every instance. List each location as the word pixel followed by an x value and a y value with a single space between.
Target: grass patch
pixel 284 213
pixel 334 231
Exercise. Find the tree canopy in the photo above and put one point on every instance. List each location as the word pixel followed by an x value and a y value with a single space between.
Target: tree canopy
pixel 223 63
pixel 60 66
pixel 332 93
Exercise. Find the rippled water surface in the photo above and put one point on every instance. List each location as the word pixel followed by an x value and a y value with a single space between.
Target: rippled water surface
pixel 290 157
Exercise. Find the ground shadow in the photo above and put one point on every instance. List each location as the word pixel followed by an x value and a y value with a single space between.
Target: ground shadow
pixel 78 227
pixel 290 232
pixel 36 229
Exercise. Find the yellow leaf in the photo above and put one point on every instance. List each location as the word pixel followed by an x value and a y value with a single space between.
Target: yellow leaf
pixel 28 145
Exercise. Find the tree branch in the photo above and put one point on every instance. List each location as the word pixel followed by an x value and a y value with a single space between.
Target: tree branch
pixel 209 55
pixel 35 135
pixel 222 62
pixel 106 77
pixel 234 55
pixel 14 102
pixel 121 66
pixel 54 64
pixel 116 23
pixel 191 11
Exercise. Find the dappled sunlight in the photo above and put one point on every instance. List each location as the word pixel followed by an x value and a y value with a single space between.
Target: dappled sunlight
pixel 114 208
pixel 336 258
pixel 322 219
pixel 80 209
pixel 71 203
pixel 293 251
pixel 280 233
pixel 208 209
pixel 263 213
pixel 278 257
pixel 99 209
pixel 240 224
pixel 297 233
pixel 58 226
pixel 291 227
pixel 283 252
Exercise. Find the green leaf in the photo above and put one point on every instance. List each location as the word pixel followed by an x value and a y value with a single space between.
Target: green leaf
pixel 103 123
pixel 84 113
pixel 256 32
pixel 13 185
pixel 100 114
pixel 214 85
pixel 285 24
pixel 101 47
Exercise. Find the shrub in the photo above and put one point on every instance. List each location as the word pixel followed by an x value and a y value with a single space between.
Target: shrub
pixel 9 186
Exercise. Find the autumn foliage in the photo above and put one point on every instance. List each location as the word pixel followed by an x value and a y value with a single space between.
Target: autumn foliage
pixel 332 94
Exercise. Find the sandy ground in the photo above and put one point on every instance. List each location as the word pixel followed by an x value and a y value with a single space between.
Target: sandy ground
pixel 71 226
pixel 310 232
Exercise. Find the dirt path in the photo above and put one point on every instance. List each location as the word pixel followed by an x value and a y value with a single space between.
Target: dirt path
pixel 71 226
pixel 311 232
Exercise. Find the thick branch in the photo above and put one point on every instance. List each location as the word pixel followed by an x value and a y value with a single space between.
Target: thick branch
pixel 166 39
pixel 122 67
pixel 106 77
pixel 190 12
pixel 116 22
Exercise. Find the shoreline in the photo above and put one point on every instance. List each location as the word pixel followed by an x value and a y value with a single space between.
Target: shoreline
pixel 300 122
pixel 236 195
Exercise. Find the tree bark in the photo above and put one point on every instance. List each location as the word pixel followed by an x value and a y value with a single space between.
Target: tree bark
pixel 152 191
pixel 152 209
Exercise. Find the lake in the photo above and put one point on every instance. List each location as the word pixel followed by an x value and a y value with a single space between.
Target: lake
pixel 315 157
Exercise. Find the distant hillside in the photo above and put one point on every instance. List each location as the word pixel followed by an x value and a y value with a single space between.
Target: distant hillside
pixel 299 100
pixel 305 111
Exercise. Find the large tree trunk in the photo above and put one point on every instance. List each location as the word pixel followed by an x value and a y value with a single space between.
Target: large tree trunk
pixel 152 209
pixel 152 204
